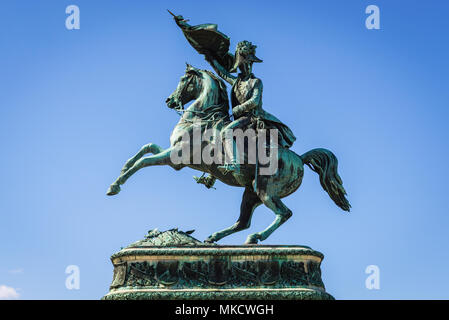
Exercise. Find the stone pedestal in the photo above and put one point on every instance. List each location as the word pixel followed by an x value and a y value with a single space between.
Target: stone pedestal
pixel 173 265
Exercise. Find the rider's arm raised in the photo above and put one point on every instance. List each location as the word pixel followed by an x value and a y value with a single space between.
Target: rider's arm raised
pixel 221 71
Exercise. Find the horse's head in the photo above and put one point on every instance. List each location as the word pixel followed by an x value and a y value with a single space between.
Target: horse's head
pixel 200 85
pixel 188 89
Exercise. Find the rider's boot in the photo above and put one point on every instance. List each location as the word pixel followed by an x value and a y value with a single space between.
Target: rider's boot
pixel 230 152
pixel 233 167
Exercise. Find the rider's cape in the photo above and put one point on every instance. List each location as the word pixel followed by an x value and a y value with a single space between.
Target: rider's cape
pixel 286 135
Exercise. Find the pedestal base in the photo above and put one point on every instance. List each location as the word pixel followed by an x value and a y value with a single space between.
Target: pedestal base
pixel 173 265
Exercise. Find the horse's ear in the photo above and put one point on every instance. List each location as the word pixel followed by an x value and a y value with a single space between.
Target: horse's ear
pixel 192 70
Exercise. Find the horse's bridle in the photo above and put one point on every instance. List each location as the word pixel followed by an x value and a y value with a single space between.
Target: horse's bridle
pixel 180 107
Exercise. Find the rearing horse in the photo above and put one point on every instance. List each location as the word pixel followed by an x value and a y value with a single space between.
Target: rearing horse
pixel 210 109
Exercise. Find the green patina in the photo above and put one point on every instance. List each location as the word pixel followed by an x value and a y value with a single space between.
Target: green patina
pixel 210 110
pixel 174 265
pixel 254 295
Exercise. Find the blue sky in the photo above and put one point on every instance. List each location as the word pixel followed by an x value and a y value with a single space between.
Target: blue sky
pixel 74 105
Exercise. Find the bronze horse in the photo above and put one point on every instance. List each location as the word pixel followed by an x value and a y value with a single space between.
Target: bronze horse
pixel 211 109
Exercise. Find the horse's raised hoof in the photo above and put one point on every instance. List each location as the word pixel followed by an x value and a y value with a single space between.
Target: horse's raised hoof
pixel 252 239
pixel 113 190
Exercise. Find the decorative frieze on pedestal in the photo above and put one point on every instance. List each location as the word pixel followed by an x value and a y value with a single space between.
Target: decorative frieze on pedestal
pixel 174 265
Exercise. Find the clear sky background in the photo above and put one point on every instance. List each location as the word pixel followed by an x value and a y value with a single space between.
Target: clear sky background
pixel 75 105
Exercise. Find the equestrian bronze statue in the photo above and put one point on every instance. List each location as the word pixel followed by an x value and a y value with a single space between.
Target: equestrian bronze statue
pixel 218 152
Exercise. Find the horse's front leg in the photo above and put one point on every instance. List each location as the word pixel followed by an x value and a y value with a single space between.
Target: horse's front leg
pixel 148 148
pixel 162 158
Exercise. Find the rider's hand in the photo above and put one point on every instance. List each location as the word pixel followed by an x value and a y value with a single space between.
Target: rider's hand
pixel 179 18
pixel 237 111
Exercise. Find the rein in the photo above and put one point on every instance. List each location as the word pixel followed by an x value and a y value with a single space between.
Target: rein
pixel 209 116
pixel 216 108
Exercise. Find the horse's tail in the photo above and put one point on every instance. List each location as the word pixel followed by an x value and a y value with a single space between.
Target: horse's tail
pixel 324 162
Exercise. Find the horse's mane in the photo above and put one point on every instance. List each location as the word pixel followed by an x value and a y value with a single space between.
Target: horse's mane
pixel 221 86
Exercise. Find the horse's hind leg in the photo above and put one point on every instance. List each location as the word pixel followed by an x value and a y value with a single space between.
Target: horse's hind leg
pixel 250 202
pixel 148 148
pixel 282 215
